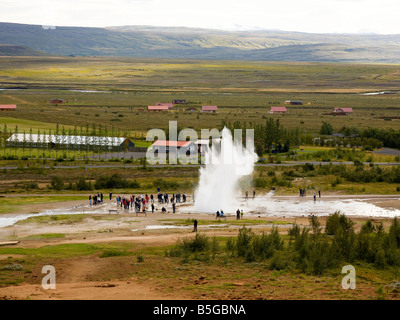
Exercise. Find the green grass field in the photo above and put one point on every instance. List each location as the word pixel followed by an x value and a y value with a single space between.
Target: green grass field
pixel 243 91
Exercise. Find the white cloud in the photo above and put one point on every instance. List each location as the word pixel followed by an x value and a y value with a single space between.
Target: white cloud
pixel 343 16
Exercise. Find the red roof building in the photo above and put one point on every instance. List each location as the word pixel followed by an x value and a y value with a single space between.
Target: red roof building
pixel 343 110
pixel 277 110
pixel 169 105
pixel 209 109
pixel 8 107
pixel 56 101
pixel 164 146
pixel 157 108
pixel 168 143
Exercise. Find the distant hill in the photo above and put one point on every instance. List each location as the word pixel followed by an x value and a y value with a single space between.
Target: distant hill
pixel 16 50
pixel 195 43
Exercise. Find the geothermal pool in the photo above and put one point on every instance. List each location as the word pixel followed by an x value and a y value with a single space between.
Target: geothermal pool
pixel 266 205
pixel 292 206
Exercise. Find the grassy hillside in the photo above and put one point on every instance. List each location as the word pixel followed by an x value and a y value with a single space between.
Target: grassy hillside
pixel 16 50
pixel 188 43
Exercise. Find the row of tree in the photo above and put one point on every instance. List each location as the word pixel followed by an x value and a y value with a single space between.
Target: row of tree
pixel 271 135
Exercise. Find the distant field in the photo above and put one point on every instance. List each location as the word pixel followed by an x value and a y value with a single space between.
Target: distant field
pixel 243 91
pixel 26 125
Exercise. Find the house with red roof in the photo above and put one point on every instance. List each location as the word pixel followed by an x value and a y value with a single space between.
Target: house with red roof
pixel 342 111
pixel 164 146
pixel 8 107
pixel 277 110
pixel 169 105
pixel 157 108
pixel 212 109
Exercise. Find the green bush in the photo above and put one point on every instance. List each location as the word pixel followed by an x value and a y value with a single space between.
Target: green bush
pixel 283 260
pixel 81 184
pixel 115 181
pixel 186 246
pixel 113 253
pixel 243 242
pixel 336 222
pixel 260 182
pixel 265 245
pixel 57 183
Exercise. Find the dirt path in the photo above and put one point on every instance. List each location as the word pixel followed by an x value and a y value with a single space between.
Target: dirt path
pixel 19 100
pixel 72 284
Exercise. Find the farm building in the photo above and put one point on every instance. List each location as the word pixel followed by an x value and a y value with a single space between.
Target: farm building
pixel 157 108
pixel 8 107
pixel 212 109
pixel 56 100
pixel 342 111
pixel 294 103
pixel 169 105
pixel 68 142
pixel 277 110
pixel 163 146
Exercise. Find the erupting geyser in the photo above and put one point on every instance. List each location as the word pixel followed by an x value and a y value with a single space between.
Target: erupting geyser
pixel 225 164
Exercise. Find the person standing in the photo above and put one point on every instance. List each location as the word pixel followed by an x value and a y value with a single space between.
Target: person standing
pixel 110 195
pixel 237 214
pixel 152 208
pixel 319 193
pixel 90 199
pixel 254 194
pixel 315 196
pixel 195 225
pixel 241 215
pixel 173 207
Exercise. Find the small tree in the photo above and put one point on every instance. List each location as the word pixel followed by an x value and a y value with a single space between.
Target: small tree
pixel 15 139
pixel 326 129
pixel 30 142
pixel 57 183
pixel 38 142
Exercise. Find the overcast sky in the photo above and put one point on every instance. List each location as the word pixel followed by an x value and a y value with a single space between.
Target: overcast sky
pixel 323 16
